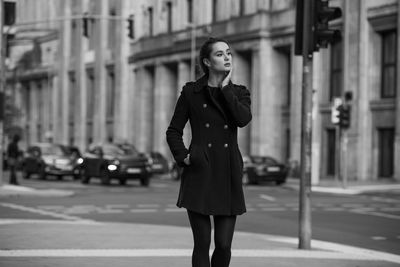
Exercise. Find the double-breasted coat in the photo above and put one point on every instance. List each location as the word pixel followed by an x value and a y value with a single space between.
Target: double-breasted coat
pixel 212 183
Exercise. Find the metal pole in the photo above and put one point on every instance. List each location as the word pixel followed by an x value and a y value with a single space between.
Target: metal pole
pixel 2 90
pixel 338 152
pixel 306 134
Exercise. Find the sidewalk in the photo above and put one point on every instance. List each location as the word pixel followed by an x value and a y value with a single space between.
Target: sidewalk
pixel 351 188
pixel 88 243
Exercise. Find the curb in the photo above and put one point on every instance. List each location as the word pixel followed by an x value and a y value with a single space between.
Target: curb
pixel 17 190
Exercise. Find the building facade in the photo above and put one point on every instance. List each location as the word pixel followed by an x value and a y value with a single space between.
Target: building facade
pixel 96 80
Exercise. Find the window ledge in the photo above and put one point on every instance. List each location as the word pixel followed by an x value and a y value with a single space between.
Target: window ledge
pixel 383 104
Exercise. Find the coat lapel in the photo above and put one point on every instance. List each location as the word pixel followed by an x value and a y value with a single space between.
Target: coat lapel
pixel 202 86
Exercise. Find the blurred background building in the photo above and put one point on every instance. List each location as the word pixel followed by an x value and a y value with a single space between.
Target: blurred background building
pixel 79 72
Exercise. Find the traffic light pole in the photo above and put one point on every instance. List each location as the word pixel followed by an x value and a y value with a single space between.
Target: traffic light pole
pixel 306 132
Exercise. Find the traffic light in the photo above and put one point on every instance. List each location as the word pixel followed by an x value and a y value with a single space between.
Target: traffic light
pixel 344 116
pixel 85 24
pixel 321 33
pixel 335 110
pixel 131 27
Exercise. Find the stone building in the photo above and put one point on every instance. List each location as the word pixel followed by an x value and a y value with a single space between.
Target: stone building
pixel 95 83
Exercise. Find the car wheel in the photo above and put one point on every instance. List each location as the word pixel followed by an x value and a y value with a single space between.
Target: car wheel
pixel 122 181
pixel 42 173
pixel 25 174
pixel 279 182
pixel 145 181
pixel 252 179
pixel 105 177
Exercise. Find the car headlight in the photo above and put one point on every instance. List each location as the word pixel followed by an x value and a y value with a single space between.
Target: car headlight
pixel 48 161
pixel 150 161
pixel 112 167
pixel 79 161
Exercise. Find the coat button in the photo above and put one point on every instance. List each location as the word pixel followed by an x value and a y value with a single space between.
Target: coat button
pixel 225 145
pixel 204 105
pixel 207 125
pixel 209 145
pixel 225 126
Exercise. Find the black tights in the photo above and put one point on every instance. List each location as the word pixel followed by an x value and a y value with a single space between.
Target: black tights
pixel 224 227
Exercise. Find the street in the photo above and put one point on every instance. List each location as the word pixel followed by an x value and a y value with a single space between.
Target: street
pixel 369 221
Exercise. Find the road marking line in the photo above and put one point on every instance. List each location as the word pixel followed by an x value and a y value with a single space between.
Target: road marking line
pixel 174 210
pixel 143 210
pixel 43 212
pixel 385 199
pixel 31 221
pixel 117 206
pixel 266 197
pixel 181 253
pixel 378 238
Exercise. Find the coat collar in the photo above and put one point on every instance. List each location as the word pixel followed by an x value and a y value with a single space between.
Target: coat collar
pixel 202 83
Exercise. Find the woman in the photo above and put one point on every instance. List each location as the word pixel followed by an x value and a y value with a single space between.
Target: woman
pixel 211 182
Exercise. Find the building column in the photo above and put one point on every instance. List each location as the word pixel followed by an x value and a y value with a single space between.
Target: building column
pixel 295 109
pixel 397 135
pixel 359 163
pixel 34 112
pixel 65 43
pixel 266 131
pixel 100 74
pixel 122 84
pixel 46 110
pixel 56 108
pixel 241 75
pixel 164 100
pixel 183 78
pixel 146 109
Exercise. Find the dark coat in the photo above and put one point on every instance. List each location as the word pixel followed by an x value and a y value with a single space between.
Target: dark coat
pixel 212 183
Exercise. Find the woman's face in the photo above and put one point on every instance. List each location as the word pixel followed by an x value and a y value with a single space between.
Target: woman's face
pixel 220 59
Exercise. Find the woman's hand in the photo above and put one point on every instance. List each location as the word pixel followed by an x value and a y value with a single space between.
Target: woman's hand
pixel 227 79
pixel 187 160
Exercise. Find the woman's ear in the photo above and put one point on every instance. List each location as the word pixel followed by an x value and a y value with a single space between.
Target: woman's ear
pixel 206 62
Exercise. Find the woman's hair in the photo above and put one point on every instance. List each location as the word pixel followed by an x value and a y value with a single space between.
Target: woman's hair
pixel 205 51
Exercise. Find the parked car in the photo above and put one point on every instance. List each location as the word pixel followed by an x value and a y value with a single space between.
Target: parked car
pixel 115 161
pixel 159 164
pixel 263 168
pixel 46 159
pixel 76 156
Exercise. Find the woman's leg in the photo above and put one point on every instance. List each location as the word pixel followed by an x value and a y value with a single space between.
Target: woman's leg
pixel 224 226
pixel 201 228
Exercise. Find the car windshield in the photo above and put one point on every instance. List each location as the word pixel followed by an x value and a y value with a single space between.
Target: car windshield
pixel 119 150
pixel 52 150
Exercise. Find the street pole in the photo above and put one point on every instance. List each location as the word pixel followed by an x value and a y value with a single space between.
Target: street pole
pixel 306 133
pixel 2 90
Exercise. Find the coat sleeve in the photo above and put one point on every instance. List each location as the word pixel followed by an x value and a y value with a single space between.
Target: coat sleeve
pixel 238 104
pixel 175 130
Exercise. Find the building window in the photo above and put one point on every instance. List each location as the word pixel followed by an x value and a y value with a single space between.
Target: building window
pixel 386 152
pixel 150 13
pixel 336 78
pixel 214 10
pixel 190 10
pixel 331 152
pixel 389 67
pixel 9 12
pixel 169 17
